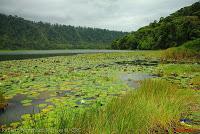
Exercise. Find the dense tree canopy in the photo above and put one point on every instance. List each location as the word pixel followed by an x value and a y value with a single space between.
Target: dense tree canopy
pixel 174 30
pixel 17 33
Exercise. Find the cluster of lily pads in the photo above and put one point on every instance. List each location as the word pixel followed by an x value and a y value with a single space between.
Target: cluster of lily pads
pixel 83 81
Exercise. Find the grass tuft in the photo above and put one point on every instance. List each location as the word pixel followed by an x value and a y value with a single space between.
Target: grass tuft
pixel 179 53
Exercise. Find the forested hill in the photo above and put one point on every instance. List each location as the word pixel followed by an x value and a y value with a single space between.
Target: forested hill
pixel 17 33
pixel 174 30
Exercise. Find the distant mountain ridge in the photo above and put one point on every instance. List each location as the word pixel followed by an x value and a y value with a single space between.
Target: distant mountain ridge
pixel 17 33
pixel 174 30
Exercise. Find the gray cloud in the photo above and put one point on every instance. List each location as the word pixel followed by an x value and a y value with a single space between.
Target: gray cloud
pixel 122 15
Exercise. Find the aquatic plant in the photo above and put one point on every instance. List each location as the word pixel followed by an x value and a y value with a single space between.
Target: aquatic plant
pixel 90 95
pixel 156 107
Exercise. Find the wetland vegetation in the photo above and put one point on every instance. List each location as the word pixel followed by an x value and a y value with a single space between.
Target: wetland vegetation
pixel 101 91
pixel 66 92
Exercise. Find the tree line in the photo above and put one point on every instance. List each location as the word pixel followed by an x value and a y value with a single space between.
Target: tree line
pixel 18 33
pixel 172 31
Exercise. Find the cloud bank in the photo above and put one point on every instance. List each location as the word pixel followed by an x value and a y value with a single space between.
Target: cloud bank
pixel 121 15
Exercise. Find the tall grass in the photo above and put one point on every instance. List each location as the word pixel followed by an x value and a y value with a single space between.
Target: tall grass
pixel 156 107
pixel 1 97
pixel 2 101
pixel 188 50
pixel 179 54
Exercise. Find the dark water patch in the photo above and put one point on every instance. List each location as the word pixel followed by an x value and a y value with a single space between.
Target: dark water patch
pixel 30 54
pixel 64 93
pixel 133 79
pixel 113 94
pixel 180 62
pixel 83 68
pixel 193 121
pixel 89 98
pixel 103 65
pixel 78 95
pixel 140 62
pixel 79 103
pixel 16 109
pixel 154 62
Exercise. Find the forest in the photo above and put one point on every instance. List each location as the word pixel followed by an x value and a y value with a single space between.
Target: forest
pixel 172 31
pixel 18 33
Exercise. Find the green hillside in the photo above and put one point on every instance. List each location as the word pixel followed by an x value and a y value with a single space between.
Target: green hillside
pixel 172 31
pixel 17 33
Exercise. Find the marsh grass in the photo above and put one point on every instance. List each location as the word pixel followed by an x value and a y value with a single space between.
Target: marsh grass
pixel 156 107
pixel 2 99
pixel 196 80
pixel 187 51
pixel 179 53
pixel 181 69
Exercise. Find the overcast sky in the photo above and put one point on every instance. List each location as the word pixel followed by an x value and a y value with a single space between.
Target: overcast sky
pixel 121 15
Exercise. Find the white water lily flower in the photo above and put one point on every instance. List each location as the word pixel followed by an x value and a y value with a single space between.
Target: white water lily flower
pixel 183 123
pixel 82 101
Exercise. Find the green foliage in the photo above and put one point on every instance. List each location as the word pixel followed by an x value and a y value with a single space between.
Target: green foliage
pixel 188 50
pixel 146 43
pixel 172 31
pixel 180 69
pixel 156 106
pixel 17 33
pixel 63 82
pixel 194 45
pixel 196 81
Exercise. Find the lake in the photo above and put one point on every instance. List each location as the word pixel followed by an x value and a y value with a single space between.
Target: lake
pixel 30 54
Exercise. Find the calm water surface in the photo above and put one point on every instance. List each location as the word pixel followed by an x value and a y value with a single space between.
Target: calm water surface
pixel 30 54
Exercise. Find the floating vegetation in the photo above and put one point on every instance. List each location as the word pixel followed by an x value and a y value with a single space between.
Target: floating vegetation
pixel 41 88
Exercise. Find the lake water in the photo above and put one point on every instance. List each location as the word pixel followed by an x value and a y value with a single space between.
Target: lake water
pixel 16 109
pixel 29 54
pixel 133 79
